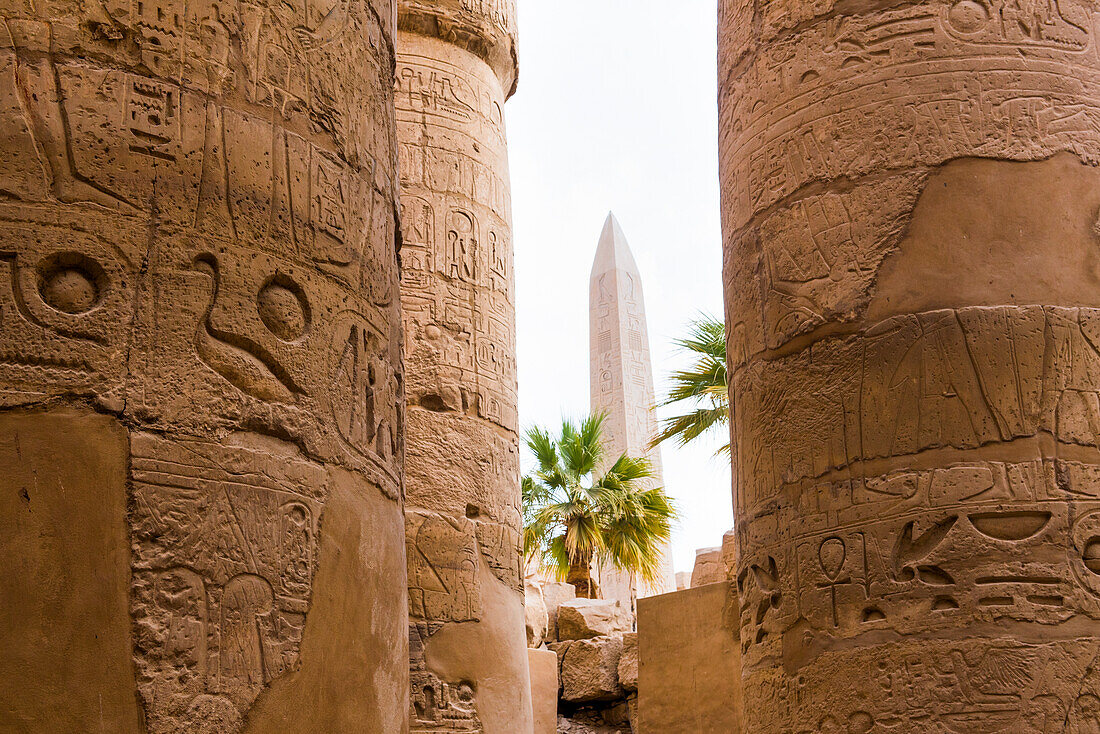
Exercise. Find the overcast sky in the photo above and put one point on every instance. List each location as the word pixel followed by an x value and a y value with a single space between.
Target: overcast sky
pixel 616 111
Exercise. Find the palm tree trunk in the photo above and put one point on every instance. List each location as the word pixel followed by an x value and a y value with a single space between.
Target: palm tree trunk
pixel 580 575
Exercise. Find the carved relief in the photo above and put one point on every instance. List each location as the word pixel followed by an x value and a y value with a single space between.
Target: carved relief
pixel 65 309
pixel 444 585
pixel 457 300
pixel 442 707
pixel 914 459
pixel 224 555
pixel 198 198
pixel 962 97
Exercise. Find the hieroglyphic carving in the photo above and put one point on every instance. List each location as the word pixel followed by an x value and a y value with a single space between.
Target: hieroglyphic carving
pixel 198 220
pixel 949 84
pixel 457 299
pixel 65 310
pixel 442 707
pixel 444 585
pixel 224 553
pixel 915 459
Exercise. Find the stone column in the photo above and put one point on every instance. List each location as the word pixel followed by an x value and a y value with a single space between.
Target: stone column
pixel 910 200
pixel 456 66
pixel 200 372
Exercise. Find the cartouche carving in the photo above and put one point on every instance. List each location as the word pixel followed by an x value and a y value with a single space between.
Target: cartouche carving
pixel 914 361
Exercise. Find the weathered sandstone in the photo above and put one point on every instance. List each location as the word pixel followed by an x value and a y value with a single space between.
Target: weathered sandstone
pixel 590 670
pixel 910 198
pixel 628 662
pixel 708 567
pixel 201 436
pixel 554 594
pixel 456 66
pixel 689 673
pixel 534 610
pixel 580 619
pixel 544 690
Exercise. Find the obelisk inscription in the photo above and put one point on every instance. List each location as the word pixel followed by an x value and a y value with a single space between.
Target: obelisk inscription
pixel 621 381
pixel 911 266
pixel 455 69
pixel 200 368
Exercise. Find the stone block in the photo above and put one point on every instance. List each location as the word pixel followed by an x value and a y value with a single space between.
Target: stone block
pixel 554 594
pixel 628 662
pixel 708 567
pixel 683 580
pixel 536 619
pixel 689 663
pixel 729 554
pixel 581 619
pixel 544 689
pixel 590 670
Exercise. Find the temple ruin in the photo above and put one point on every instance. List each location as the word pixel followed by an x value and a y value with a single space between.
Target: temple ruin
pixel 259 456
pixel 456 66
pixel 910 213
pixel 202 440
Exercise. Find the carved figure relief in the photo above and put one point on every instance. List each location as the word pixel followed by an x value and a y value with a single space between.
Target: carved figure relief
pixel 442 707
pixel 443 568
pixel 232 620
pixel 457 300
pixel 914 462
pixel 195 195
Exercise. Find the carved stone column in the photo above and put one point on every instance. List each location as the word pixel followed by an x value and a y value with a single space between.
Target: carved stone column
pixel 910 197
pixel 200 373
pixel 456 66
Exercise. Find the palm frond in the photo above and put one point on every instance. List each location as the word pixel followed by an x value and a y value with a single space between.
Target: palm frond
pixel 688 427
pixel 544 448
pixel 704 385
pixel 636 539
pixel 581 446
pixel 572 515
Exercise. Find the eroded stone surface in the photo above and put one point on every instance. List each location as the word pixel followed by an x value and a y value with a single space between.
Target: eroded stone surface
pixel 580 619
pixel 688 664
pixel 708 567
pixel 590 670
pixel 909 203
pixel 456 66
pixel 544 690
pixel 554 594
pixel 535 613
pixel 628 662
pixel 200 240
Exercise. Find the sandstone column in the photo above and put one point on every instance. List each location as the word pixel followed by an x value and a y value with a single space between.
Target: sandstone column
pixel 202 423
pixel 456 66
pixel 910 204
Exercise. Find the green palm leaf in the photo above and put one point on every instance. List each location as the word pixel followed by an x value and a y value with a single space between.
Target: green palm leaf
pixel 575 516
pixel 703 387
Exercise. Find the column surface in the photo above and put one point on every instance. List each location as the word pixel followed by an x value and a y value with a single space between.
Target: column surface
pixel 912 267
pixel 201 390
pixel 468 654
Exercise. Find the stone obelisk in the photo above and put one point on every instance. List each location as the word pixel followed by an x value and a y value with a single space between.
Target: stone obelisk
pixel 456 66
pixel 621 381
pixel 200 369
pixel 910 199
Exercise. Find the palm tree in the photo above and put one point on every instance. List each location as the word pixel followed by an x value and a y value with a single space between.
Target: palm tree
pixel 575 514
pixel 703 386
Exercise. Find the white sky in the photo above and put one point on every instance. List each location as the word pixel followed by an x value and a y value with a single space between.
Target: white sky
pixel 616 110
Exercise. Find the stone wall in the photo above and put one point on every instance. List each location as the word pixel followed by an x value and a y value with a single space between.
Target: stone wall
pixel 910 199
pixel 688 666
pixel 200 370
pixel 455 69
